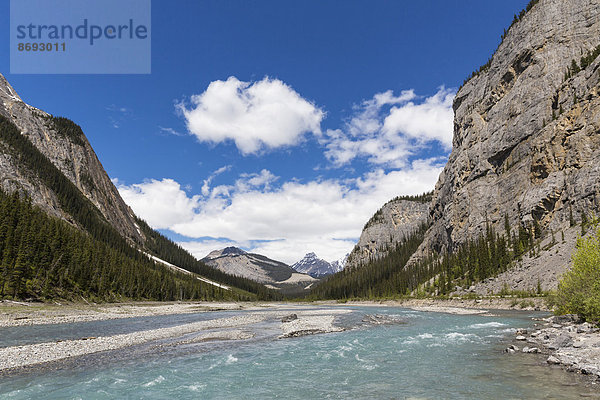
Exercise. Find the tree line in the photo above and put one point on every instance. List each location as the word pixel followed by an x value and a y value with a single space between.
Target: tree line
pixel 378 216
pixel 28 158
pixel 382 277
pixel 173 253
pixel 43 257
pixel 87 217
pixel 436 274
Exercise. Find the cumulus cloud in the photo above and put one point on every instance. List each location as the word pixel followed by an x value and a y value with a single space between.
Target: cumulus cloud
pixel 263 179
pixel 430 120
pixel 342 148
pixel 284 221
pixel 161 203
pixel 260 115
pixel 387 129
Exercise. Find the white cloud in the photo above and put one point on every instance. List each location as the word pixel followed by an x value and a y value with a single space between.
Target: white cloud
pixel 256 115
pixel 293 250
pixel 387 97
pixel 282 222
pixel 170 131
pixel 342 148
pixel 388 136
pixel 208 181
pixel 161 203
pixel 430 120
pixel 263 179
pixel 200 249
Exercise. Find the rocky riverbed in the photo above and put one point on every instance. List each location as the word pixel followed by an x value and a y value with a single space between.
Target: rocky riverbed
pixel 238 327
pixel 14 313
pixel 566 341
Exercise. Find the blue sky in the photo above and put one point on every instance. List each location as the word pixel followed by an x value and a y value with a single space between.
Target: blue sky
pixel 278 126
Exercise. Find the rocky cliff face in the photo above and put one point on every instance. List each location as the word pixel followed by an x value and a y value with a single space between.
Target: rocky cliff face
pixel 75 158
pixel 526 131
pixel 392 223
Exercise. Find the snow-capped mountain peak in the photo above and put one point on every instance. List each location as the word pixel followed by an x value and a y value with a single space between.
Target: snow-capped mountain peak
pixel 316 267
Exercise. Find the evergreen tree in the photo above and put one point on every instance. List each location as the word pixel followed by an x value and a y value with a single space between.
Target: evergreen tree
pixel 584 219
pixel 474 260
pixel 56 259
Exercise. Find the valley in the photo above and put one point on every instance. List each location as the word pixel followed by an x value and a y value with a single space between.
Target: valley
pixel 193 270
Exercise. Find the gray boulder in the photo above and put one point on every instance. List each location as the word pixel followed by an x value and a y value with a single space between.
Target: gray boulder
pixel 560 342
pixel 289 318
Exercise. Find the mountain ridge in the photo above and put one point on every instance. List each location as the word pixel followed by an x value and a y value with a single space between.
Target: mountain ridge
pixel 65 145
pixel 259 268
pixel 317 267
pixel 48 161
pixel 392 223
pixel 523 142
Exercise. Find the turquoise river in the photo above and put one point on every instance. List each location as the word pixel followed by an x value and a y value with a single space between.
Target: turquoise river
pixel 427 356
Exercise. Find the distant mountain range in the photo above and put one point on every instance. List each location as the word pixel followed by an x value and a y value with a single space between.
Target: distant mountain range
pixel 273 274
pixel 317 267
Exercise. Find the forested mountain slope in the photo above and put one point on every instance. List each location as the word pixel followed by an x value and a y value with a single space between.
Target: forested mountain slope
pixel 63 143
pixel 49 164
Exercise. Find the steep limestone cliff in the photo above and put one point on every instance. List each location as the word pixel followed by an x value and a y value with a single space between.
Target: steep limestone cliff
pixel 392 223
pixel 72 155
pixel 526 131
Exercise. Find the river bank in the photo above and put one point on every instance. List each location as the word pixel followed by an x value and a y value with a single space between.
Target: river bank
pixel 454 305
pixel 20 313
pixel 565 341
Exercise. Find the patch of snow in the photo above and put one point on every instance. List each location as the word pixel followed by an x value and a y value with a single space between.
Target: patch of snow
pixel 137 228
pixel 297 278
pixel 185 271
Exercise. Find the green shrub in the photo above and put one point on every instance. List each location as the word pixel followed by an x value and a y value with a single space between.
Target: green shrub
pixel 526 303
pixel 579 290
